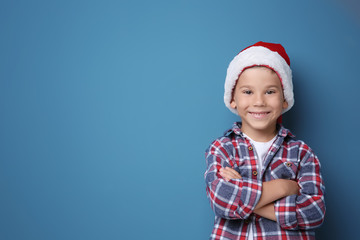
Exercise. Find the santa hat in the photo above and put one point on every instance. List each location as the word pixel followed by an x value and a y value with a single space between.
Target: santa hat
pixel 265 54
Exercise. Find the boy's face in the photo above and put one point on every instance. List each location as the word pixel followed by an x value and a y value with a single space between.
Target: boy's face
pixel 259 100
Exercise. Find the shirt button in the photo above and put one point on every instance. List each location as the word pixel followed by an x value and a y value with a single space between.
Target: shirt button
pixel 255 173
pixel 250 148
pixel 288 164
pixel 247 221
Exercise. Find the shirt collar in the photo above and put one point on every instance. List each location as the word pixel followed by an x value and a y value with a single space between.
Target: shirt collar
pixel 236 129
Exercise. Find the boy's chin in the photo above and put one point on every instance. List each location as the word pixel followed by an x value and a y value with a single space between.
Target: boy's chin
pixel 260 126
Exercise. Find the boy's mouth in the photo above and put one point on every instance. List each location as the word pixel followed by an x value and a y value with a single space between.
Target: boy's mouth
pixel 259 115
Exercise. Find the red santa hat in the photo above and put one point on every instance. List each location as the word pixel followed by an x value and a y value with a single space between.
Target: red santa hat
pixel 271 55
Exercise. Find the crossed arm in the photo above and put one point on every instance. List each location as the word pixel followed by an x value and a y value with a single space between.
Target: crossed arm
pixel 271 191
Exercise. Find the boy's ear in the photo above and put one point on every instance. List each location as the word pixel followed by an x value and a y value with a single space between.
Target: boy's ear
pixel 285 104
pixel 233 104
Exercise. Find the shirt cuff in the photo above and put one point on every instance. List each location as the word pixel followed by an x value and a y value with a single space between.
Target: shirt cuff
pixel 285 211
pixel 250 195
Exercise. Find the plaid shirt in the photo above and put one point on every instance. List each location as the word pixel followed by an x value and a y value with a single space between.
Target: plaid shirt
pixel 234 201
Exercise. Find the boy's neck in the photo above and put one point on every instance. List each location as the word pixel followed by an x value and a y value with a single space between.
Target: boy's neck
pixel 260 136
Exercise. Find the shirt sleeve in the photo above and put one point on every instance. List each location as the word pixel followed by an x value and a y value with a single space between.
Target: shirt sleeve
pixel 306 210
pixel 234 199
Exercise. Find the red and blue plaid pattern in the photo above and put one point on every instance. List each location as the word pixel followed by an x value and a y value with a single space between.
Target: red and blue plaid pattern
pixel 233 201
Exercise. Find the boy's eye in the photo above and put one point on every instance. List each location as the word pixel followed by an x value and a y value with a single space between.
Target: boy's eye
pixel 270 92
pixel 247 91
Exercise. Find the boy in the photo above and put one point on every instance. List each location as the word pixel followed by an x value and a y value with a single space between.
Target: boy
pixel 262 183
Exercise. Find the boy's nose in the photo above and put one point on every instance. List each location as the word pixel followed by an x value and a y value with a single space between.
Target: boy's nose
pixel 259 100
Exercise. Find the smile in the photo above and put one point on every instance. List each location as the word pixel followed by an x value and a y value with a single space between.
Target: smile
pixel 259 115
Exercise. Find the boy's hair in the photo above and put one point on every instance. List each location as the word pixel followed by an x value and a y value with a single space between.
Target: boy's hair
pixel 270 55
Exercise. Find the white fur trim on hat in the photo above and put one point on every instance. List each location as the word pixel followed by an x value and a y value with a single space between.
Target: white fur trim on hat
pixel 258 56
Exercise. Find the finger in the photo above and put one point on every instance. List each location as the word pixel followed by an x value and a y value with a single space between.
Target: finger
pixel 228 174
pixel 227 178
pixel 225 175
pixel 232 172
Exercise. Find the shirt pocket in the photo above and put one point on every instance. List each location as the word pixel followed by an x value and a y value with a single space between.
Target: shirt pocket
pixel 284 168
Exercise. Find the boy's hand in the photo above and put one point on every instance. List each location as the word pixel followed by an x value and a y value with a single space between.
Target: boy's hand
pixel 276 189
pixel 291 187
pixel 229 173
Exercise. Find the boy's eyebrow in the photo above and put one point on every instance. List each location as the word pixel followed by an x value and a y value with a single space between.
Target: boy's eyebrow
pixel 266 86
pixel 274 86
pixel 245 86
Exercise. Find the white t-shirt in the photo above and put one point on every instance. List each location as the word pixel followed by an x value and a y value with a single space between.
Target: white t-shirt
pixel 261 149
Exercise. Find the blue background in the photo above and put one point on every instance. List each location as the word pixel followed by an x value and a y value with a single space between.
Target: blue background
pixel 107 108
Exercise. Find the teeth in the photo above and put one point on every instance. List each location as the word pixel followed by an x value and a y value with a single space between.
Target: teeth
pixel 259 115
